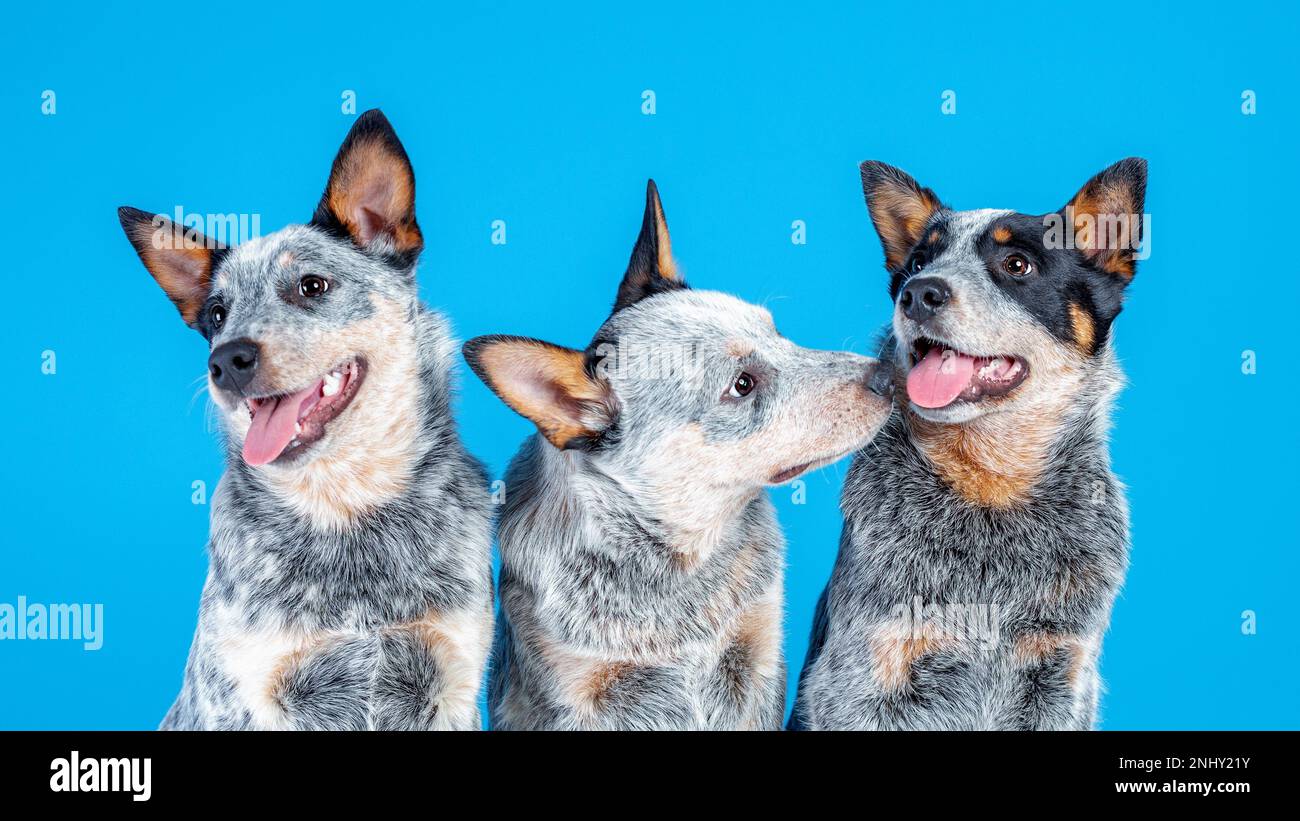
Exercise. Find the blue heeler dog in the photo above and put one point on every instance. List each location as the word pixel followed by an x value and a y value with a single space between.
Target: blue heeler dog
pixel 985 537
pixel 641 561
pixel 350 577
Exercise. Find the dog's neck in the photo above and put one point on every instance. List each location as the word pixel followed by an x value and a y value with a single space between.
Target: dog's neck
pixel 688 524
pixel 993 461
pixel 998 460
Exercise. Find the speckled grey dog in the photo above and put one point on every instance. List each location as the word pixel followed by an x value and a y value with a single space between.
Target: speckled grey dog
pixel 985 536
pixel 641 560
pixel 350 578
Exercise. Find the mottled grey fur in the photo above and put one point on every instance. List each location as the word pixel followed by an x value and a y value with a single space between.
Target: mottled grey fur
pixel 641 579
pixel 1047 569
pixel 589 568
pixel 350 580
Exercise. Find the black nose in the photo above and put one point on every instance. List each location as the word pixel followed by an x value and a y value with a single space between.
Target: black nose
pixel 233 364
pixel 923 298
pixel 880 379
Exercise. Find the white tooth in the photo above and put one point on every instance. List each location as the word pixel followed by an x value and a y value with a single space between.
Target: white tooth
pixel 297 427
pixel 331 385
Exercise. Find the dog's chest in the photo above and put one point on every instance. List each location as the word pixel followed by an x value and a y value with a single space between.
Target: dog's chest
pixel 381 626
pixel 609 642
pixel 910 537
pixel 418 674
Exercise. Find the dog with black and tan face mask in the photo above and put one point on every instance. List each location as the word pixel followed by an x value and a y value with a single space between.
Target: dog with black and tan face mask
pixel 641 561
pixel 985 537
pixel 350 551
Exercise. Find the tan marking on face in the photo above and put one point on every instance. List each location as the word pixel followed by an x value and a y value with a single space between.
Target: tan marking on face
pixel 739 348
pixel 934 236
pixel 1084 328
pixel 368 454
pixel 286 259
pixel 1002 234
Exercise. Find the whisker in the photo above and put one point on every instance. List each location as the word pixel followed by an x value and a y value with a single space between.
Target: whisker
pixel 199 392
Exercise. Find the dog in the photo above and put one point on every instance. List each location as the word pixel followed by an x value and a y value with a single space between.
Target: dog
pixel 641 561
pixel 350 579
pixel 985 537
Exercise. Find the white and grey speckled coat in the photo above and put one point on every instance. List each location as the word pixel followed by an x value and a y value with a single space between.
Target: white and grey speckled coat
pixel 984 540
pixel 350 575
pixel 641 561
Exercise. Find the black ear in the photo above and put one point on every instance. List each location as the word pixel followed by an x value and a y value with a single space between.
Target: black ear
pixel 652 269
pixel 179 258
pixel 370 196
pixel 899 208
pixel 1106 217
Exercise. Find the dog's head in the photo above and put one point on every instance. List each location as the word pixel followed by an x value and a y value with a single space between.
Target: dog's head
pixel 996 311
pixel 309 328
pixel 686 392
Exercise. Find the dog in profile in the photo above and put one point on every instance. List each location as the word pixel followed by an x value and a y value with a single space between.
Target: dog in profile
pixel 350 575
pixel 641 561
pixel 985 536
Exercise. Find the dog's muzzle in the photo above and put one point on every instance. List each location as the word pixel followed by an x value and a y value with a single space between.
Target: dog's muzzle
pixel 880 379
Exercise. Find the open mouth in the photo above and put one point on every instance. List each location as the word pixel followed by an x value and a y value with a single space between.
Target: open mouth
pixel 284 425
pixel 941 375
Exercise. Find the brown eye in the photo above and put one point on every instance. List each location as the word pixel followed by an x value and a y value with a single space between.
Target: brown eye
pixel 742 386
pixel 218 315
pixel 1017 266
pixel 312 285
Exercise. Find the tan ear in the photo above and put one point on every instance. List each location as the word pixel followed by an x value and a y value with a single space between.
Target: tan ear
pixel 546 383
pixel 179 258
pixel 652 269
pixel 370 195
pixel 1106 217
pixel 899 208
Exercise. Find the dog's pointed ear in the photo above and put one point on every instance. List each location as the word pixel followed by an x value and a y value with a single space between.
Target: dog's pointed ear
pixel 899 208
pixel 370 196
pixel 179 258
pixel 652 269
pixel 546 383
pixel 1106 217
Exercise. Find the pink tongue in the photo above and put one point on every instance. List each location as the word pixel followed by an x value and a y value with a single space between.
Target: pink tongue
pixel 937 380
pixel 274 425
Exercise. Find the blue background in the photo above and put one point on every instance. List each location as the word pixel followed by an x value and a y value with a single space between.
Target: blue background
pixel 534 117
